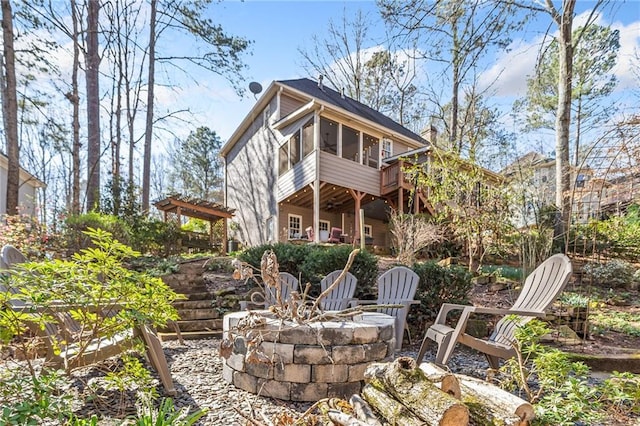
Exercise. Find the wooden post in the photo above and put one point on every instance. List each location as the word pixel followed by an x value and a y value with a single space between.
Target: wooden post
pixel 361 230
pixel 225 237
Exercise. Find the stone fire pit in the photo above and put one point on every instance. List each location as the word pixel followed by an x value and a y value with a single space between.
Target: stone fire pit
pixel 310 361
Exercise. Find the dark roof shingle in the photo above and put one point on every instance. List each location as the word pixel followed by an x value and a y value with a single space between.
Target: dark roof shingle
pixel 331 96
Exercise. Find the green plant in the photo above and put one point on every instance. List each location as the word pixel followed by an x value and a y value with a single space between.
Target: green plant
pixel 559 387
pixel 165 415
pixel 439 284
pixel 622 322
pixel 504 271
pixel 323 260
pixel 93 279
pixel 26 234
pixel 27 400
pixel 614 273
pixel 569 298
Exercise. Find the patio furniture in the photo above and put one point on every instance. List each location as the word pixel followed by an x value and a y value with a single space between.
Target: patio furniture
pixel 341 295
pixel 335 236
pixel 310 234
pixel 67 342
pixel 397 286
pixel 288 284
pixel 539 291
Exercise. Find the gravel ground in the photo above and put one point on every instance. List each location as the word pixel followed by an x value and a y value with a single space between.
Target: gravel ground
pixel 197 372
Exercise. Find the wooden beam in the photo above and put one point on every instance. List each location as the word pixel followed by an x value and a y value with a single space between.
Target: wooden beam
pixel 202 209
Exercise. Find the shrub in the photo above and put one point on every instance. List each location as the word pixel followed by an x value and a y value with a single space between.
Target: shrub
pixel 323 260
pixel 75 226
pixel 562 393
pixel 614 273
pixel 26 234
pixel 312 262
pixel 290 256
pixel 95 277
pixel 438 285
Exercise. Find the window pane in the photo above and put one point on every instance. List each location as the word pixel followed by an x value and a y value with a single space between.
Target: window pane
pixel 328 136
pixel 370 146
pixel 295 225
pixel 307 138
pixel 386 148
pixel 350 143
pixel 294 149
pixel 284 158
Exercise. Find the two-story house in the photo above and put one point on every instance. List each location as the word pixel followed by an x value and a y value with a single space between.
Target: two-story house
pixel 29 185
pixel 308 157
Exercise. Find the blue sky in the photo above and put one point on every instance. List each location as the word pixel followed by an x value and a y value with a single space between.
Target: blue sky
pixel 280 28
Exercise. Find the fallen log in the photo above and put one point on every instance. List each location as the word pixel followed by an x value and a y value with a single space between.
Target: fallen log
pixel 488 404
pixel 363 411
pixel 391 410
pixel 342 419
pixel 409 385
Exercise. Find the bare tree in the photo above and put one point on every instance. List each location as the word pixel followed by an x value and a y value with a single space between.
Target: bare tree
pixel 92 71
pixel 10 109
pixel 456 34
pixel 352 61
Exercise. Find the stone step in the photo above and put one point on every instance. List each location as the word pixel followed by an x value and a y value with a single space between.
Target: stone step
pixel 198 314
pixel 191 335
pixel 199 325
pixel 199 295
pixel 193 304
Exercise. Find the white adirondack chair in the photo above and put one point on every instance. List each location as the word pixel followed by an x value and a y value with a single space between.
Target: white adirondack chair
pixel 340 297
pixel 288 284
pixel 397 286
pixel 539 291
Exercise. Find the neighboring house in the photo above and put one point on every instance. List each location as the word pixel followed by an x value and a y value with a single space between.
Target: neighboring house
pixel 27 194
pixel 533 177
pixel 306 156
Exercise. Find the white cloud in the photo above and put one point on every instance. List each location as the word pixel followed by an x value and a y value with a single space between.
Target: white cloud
pixel 509 72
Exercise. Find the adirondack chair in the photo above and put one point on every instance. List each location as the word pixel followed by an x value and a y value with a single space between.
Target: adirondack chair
pixel 67 350
pixel 340 297
pixel 397 286
pixel 539 291
pixel 288 284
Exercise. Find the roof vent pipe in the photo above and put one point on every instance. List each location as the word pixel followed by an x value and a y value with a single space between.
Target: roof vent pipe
pixel 342 93
pixel 320 77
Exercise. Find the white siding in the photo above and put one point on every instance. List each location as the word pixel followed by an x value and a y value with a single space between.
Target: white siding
pixel 343 172
pixel 26 193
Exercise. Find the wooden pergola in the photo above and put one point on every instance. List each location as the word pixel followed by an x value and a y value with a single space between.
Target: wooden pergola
pixel 212 212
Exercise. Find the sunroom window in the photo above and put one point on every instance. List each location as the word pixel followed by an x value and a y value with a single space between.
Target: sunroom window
pixel 350 143
pixel 370 147
pixel 307 138
pixel 329 136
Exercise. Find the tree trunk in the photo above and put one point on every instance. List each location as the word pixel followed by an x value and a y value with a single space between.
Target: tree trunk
pixel 146 167
pixel 10 111
pixel 393 411
pixel 75 120
pixel 563 119
pixel 410 386
pixel 92 60
pixel 488 404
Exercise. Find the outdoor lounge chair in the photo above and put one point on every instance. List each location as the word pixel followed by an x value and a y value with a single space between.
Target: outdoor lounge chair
pixel 288 284
pixel 69 347
pixel 397 286
pixel 538 292
pixel 340 297
pixel 335 236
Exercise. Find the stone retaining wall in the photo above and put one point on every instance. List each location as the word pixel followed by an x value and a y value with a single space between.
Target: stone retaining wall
pixel 307 362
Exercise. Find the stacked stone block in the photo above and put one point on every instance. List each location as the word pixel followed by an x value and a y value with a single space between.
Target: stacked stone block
pixel 307 362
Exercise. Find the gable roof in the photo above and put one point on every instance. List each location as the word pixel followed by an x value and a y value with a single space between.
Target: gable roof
pixel 305 87
pixel 333 97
